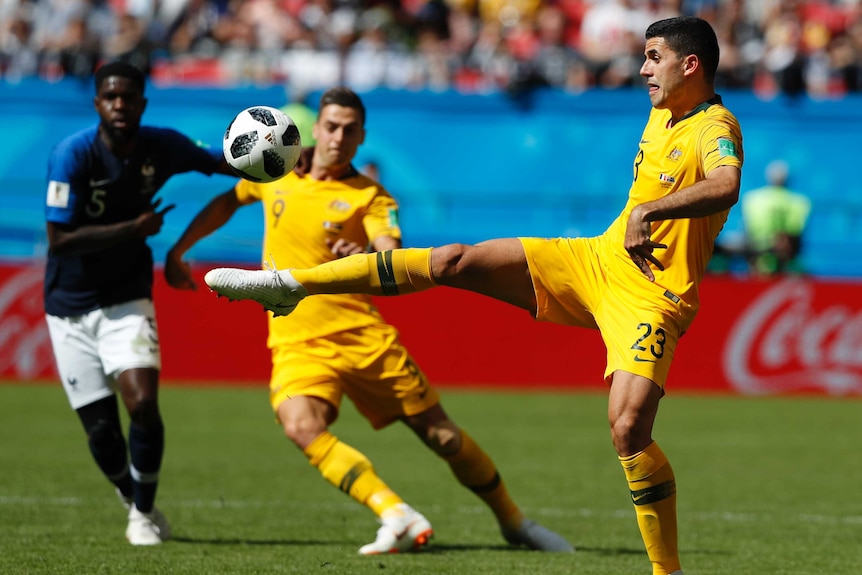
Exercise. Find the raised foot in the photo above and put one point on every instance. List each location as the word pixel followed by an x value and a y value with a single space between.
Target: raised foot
pixel 275 290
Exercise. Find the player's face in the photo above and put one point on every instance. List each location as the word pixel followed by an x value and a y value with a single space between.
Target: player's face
pixel 664 71
pixel 339 132
pixel 120 105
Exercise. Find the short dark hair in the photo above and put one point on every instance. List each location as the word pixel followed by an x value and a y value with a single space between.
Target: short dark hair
pixel 689 35
pixel 122 69
pixel 342 96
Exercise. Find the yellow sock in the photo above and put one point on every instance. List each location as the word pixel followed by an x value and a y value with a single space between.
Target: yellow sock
pixel 392 272
pixel 350 471
pixel 653 490
pixel 475 470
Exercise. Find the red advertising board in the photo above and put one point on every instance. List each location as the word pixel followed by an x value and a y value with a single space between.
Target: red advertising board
pixel 751 337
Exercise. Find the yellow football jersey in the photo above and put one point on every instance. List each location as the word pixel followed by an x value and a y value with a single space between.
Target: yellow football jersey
pixel 671 157
pixel 300 214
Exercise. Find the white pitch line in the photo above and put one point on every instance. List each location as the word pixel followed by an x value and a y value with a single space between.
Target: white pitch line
pixel 432 509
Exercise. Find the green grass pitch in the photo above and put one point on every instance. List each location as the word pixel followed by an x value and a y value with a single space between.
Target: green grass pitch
pixel 766 486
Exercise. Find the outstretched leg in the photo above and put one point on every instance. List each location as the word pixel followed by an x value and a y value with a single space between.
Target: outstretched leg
pixel 496 268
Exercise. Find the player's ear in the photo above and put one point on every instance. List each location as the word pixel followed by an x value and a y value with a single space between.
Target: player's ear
pixel 690 64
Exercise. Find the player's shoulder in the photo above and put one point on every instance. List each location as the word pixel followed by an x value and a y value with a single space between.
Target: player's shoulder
pixel 359 182
pixel 717 110
pixel 720 111
pixel 82 139
pixel 162 133
pixel 363 181
pixel 194 154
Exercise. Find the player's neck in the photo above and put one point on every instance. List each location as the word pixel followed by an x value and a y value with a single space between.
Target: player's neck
pixel 690 106
pixel 119 144
pixel 332 173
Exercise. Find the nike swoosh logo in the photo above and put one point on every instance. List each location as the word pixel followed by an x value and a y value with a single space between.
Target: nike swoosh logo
pixel 97 183
pixel 640 359
pixel 644 141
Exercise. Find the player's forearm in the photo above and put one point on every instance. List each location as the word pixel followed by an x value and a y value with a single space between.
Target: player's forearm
pixel 92 238
pixel 704 198
pixel 212 217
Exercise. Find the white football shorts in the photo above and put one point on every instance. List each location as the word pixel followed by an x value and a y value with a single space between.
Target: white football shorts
pixel 93 349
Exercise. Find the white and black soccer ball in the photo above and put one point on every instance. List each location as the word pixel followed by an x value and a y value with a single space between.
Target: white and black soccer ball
pixel 262 144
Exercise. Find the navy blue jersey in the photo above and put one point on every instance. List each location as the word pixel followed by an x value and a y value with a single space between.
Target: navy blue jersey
pixel 89 185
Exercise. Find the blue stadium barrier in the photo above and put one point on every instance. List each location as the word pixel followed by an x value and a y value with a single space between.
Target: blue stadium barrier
pixel 465 168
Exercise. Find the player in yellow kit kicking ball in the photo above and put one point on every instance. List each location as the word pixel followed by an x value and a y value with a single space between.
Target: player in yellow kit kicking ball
pixel 637 283
pixel 339 344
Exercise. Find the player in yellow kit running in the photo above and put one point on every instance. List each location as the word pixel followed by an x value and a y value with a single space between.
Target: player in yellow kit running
pixel 637 283
pixel 339 344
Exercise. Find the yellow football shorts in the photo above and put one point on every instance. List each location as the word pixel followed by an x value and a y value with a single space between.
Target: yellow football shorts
pixel 579 283
pixel 367 364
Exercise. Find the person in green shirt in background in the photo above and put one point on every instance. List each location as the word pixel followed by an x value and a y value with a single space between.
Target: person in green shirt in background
pixel 774 218
pixel 303 115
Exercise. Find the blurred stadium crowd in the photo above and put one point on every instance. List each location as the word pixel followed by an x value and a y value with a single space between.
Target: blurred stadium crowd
pixel 769 46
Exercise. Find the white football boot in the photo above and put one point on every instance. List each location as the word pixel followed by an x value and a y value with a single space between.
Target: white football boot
pixel 402 529
pixel 534 536
pixel 147 528
pixel 275 290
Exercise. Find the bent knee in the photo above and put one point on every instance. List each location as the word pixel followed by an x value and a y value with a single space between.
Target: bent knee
pixel 628 436
pixel 302 431
pixel 447 261
pixel 104 434
pixel 444 438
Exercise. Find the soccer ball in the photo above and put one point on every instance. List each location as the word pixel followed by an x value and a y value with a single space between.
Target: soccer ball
pixel 262 144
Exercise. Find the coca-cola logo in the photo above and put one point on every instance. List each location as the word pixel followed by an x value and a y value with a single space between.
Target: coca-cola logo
pixel 25 347
pixel 784 341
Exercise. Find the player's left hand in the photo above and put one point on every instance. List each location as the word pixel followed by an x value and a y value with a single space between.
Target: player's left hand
pixel 640 247
pixel 343 248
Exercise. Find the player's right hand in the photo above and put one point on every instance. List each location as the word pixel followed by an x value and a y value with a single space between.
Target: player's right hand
pixel 342 248
pixel 150 222
pixel 178 273
pixel 640 246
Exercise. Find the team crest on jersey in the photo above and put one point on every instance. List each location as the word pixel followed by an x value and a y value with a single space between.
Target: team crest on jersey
pixel 148 181
pixel 675 155
pixel 339 206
